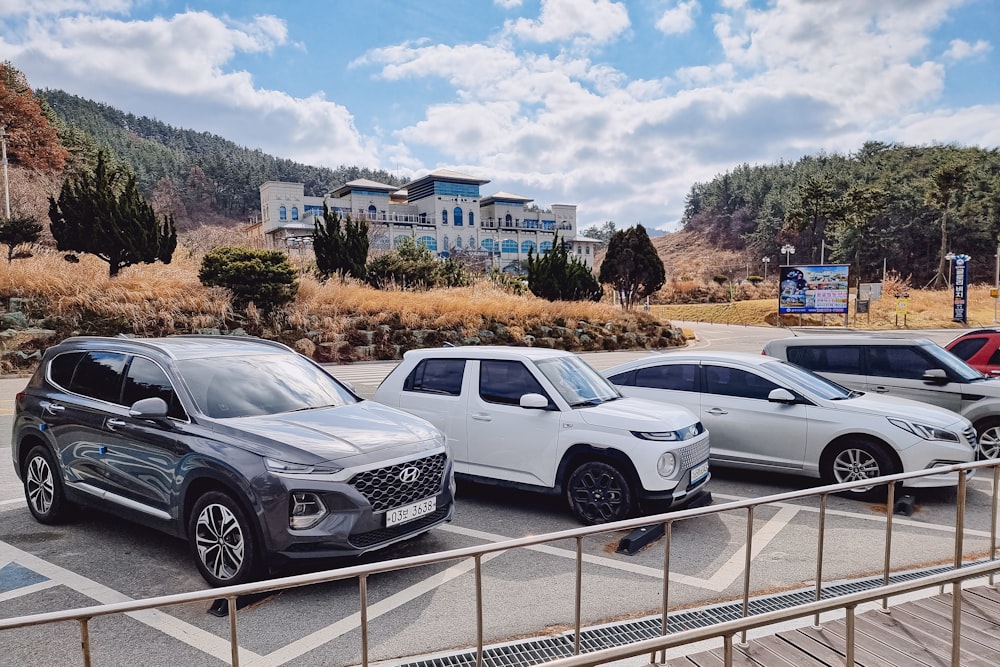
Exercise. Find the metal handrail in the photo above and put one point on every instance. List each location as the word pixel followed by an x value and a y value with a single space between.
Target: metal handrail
pixel 726 630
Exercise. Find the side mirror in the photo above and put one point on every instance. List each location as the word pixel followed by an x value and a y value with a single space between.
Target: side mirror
pixel 935 376
pixel 781 395
pixel 149 408
pixel 534 402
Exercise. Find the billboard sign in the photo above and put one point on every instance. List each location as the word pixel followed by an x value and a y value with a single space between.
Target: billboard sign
pixel 813 288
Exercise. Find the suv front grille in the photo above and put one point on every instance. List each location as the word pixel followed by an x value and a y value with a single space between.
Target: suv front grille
pixel 385 489
pixel 694 453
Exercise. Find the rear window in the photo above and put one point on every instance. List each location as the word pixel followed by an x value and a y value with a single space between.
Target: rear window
pixel 99 375
pixel 437 376
pixel 821 359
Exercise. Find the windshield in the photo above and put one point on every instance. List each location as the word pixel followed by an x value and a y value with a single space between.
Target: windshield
pixel 805 380
pixel 245 386
pixel 577 382
pixel 953 364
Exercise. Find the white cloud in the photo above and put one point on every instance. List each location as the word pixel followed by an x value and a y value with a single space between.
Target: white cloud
pixel 178 67
pixel 583 21
pixel 678 19
pixel 508 4
pixel 959 49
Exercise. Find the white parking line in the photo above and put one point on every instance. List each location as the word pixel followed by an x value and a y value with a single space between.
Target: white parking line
pixel 191 635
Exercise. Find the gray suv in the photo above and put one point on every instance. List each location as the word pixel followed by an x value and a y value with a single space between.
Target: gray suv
pixel 915 368
pixel 253 453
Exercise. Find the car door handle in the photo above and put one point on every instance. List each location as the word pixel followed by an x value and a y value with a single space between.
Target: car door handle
pixel 52 408
pixel 114 423
pixel 717 411
pixel 482 417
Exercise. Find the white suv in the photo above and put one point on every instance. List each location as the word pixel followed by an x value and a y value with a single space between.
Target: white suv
pixel 544 420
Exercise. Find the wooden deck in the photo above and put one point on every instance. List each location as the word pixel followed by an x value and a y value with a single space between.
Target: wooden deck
pixel 913 634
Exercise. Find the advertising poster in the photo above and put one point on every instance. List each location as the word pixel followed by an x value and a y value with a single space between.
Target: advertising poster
pixel 813 288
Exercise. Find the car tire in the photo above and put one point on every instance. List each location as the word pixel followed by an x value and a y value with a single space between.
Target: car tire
pixel 43 488
pixel 599 492
pixel 222 540
pixel 988 434
pixel 856 460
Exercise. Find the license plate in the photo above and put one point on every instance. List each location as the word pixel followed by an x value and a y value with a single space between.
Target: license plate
pixel 410 512
pixel 698 472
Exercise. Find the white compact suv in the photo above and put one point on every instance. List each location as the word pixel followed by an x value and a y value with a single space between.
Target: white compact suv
pixel 915 368
pixel 544 420
pixel 765 414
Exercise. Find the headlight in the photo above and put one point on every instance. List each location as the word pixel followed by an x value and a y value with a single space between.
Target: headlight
pixel 924 431
pixel 692 431
pixel 305 510
pixel 274 465
pixel 667 464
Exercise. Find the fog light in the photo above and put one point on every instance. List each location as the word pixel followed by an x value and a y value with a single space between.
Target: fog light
pixel 667 464
pixel 305 511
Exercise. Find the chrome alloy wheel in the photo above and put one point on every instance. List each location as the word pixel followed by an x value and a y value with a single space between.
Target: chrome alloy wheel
pixel 219 541
pixel 39 484
pixel 852 465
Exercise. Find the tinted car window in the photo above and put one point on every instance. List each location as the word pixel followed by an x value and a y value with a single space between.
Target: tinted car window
pixel 898 362
pixel 62 367
pixel 99 375
pixel 995 358
pixel 626 379
pixel 680 377
pixel 964 349
pixel 145 379
pixel 838 359
pixel 734 382
pixel 437 376
pixel 506 382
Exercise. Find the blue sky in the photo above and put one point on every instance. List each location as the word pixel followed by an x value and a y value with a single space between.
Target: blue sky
pixel 617 107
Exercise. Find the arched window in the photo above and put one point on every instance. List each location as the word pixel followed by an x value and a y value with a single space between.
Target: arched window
pixel 472 218
pixel 472 242
pixel 508 221
pixel 295 213
pixel 487 245
pixel 508 245
pixel 457 213
pixel 458 242
pixel 444 242
pixel 428 242
pixel 282 215
pixel 529 246
pixel 372 212
pixel 444 217
pixel 545 247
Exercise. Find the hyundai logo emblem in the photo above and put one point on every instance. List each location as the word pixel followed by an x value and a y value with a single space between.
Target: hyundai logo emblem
pixel 409 475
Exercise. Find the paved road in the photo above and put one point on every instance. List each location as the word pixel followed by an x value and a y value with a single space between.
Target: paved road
pixel 98 559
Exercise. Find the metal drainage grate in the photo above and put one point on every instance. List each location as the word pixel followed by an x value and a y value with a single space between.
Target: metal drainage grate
pixel 538 651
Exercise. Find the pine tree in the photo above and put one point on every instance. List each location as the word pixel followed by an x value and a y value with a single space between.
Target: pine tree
pixel 557 276
pixel 341 245
pixel 16 231
pixel 632 266
pixel 95 217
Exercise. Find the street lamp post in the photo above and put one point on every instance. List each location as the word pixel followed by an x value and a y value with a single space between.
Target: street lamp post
pixel 766 261
pixel 787 250
pixel 6 187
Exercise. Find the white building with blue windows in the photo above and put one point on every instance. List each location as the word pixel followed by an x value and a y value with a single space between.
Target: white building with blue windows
pixel 442 211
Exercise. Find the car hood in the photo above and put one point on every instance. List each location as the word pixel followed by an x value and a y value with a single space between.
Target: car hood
pixel 331 434
pixel 899 408
pixel 636 414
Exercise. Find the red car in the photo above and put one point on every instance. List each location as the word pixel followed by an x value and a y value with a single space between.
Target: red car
pixel 980 349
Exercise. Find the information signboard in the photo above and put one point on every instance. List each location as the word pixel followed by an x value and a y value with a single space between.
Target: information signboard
pixel 813 288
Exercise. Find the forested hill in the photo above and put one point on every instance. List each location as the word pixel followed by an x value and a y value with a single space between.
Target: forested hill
pixel 896 203
pixel 199 177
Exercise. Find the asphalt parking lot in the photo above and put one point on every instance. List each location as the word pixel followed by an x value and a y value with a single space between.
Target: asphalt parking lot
pixel 98 559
